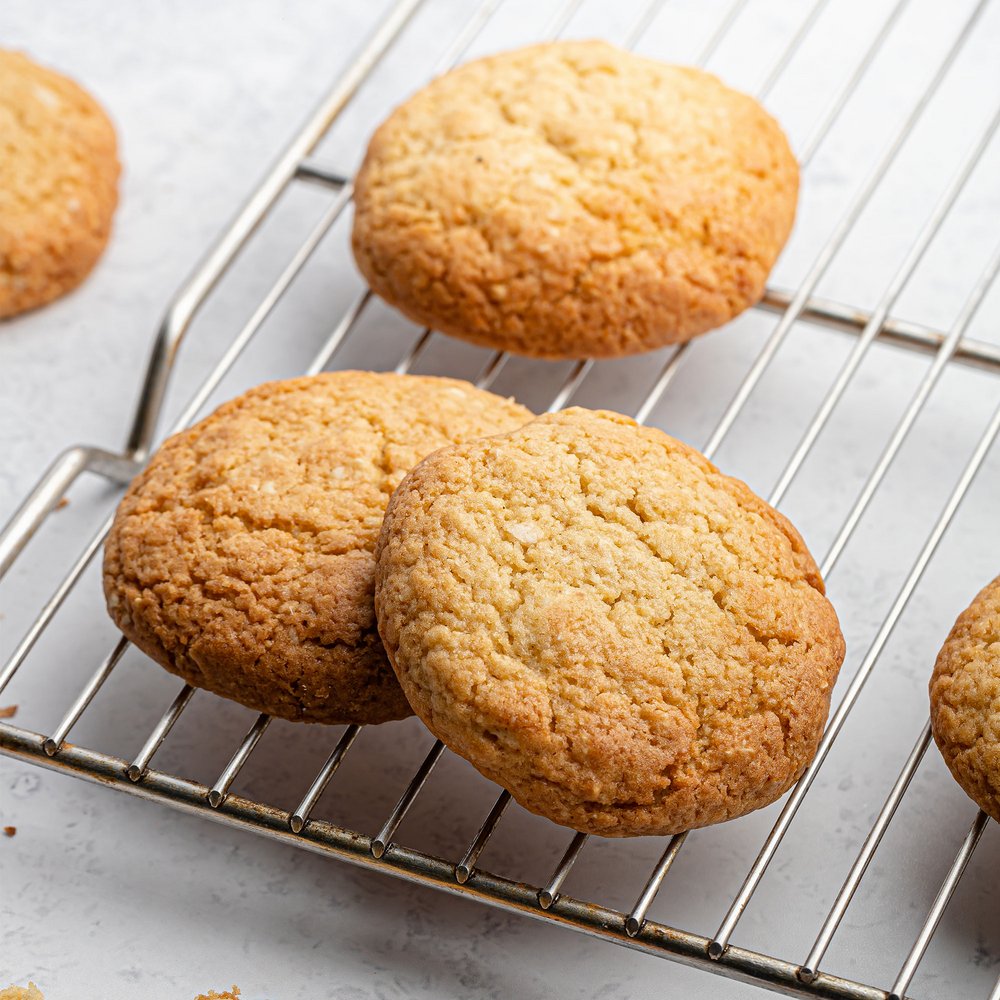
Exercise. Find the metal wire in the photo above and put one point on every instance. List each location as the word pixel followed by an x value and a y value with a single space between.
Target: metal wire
pixel 592 919
pixel 721 940
pixel 905 425
pixel 810 967
pixel 826 124
pixel 381 841
pixel 839 237
pixel 548 895
pixel 561 18
pixel 339 333
pixel 791 49
pixel 51 489
pixel 85 697
pixel 189 300
pixel 799 304
pixel 944 354
pixel 880 314
pixel 52 605
pixel 722 29
pixel 846 92
pixel 948 886
pixel 829 314
pixel 266 307
pixel 218 792
pixel 300 816
pixel 644 23
pixel 635 920
pixel 161 730
pixel 465 868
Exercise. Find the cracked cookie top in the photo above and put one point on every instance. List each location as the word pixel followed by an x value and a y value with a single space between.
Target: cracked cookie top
pixel 58 183
pixel 572 199
pixel 965 700
pixel 242 558
pixel 627 640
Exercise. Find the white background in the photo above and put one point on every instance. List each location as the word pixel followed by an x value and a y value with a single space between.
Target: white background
pixel 105 896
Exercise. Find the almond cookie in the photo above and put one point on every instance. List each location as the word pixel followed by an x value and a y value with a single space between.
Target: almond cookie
pixel 965 700
pixel 595 617
pixel 58 183
pixel 574 200
pixel 242 558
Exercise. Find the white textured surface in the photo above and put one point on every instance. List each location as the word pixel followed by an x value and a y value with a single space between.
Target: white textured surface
pixel 105 896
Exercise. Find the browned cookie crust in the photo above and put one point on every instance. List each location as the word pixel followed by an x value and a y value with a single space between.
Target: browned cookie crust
pixel 572 199
pixel 600 621
pixel 965 700
pixel 242 557
pixel 58 183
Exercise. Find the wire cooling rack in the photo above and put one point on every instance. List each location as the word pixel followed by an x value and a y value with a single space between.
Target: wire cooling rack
pixel 803 363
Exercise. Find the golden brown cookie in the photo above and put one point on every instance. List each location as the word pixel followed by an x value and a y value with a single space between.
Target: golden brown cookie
pixel 58 183
pixel 627 640
pixel 242 558
pixel 571 200
pixel 965 700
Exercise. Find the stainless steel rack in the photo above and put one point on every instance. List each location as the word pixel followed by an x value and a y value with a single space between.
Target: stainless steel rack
pixel 797 308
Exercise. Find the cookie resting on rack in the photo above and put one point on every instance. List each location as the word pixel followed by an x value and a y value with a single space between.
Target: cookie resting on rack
pixel 242 558
pixel 965 700
pixel 601 622
pixel 58 183
pixel 574 200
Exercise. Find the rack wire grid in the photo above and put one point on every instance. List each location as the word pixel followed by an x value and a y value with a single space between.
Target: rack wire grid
pixel 871 427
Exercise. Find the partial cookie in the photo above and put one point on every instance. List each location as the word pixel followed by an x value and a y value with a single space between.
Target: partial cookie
pixel 242 558
pixel 572 200
pixel 594 616
pixel 965 700
pixel 58 183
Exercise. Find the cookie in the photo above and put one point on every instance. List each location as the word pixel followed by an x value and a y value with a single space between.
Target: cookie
pixel 574 200
pixel 242 558
pixel 965 700
pixel 58 183
pixel 597 619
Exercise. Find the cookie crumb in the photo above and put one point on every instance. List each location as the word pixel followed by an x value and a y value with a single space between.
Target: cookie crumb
pixel 8 711
pixel 9 831
pixel 29 992
pixel 232 993
pixel 63 504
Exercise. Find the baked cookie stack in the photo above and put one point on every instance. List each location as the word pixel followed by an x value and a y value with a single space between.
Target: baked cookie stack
pixel 587 610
